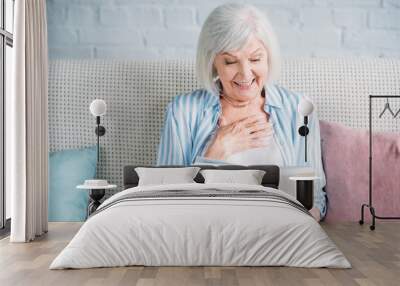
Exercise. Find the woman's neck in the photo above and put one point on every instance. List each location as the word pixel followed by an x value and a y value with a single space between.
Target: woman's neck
pixel 254 102
pixel 232 113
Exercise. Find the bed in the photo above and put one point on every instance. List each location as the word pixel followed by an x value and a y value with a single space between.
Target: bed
pixel 201 224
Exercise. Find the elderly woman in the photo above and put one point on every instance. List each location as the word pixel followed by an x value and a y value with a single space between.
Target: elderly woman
pixel 241 116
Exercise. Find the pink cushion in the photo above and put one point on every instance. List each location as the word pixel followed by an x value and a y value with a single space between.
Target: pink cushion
pixel 345 153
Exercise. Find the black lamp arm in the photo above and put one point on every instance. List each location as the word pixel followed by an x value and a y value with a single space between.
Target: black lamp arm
pixel 100 131
pixel 303 131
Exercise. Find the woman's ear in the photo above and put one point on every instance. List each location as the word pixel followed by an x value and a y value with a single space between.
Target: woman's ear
pixel 219 84
pixel 216 79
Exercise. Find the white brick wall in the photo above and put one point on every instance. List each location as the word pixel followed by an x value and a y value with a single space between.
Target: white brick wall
pixel 155 29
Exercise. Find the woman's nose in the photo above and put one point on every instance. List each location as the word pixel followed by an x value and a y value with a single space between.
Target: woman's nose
pixel 245 70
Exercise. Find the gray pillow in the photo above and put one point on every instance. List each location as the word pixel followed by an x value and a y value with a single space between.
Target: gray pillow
pixel 249 177
pixel 162 176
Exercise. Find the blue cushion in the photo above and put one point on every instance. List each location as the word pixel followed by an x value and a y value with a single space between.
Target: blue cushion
pixel 67 169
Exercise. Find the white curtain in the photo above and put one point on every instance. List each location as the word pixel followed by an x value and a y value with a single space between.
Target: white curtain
pixel 27 151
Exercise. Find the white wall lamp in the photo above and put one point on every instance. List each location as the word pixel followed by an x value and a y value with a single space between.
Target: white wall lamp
pixel 305 108
pixel 98 108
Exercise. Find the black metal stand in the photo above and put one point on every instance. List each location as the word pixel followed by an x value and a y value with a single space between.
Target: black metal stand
pixel 305 193
pixel 95 195
pixel 370 205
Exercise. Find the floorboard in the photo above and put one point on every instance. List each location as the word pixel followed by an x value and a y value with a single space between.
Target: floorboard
pixel 374 255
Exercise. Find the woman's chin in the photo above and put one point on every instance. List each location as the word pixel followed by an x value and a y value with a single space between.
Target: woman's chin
pixel 246 94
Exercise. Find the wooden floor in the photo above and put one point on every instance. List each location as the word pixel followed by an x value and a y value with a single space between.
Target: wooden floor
pixel 375 257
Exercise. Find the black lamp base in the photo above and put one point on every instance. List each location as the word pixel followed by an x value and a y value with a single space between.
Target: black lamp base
pixel 303 130
pixel 100 130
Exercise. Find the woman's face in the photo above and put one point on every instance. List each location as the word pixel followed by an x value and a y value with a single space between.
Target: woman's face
pixel 243 72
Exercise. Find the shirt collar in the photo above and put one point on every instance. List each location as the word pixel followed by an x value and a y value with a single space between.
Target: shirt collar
pixel 273 96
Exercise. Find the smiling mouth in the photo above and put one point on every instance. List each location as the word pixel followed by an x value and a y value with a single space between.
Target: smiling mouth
pixel 244 84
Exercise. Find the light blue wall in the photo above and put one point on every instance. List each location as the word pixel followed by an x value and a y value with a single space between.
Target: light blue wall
pixel 158 29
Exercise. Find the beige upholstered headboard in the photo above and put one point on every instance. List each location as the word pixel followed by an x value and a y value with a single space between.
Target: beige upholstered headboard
pixel 137 93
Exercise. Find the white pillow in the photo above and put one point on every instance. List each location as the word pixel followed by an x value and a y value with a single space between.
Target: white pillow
pixel 162 176
pixel 249 177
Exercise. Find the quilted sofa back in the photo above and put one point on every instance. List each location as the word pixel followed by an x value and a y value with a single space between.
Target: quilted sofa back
pixel 137 92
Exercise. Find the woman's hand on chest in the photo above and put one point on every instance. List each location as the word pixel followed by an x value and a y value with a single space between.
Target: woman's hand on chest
pixel 237 136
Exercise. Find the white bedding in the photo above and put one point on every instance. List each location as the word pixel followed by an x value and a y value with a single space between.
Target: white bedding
pixel 200 231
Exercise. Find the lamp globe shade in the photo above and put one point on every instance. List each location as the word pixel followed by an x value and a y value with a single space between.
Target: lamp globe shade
pixel 98 107
pixel 305 107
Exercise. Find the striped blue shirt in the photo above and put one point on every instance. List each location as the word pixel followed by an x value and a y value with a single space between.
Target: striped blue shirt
pixel 191 119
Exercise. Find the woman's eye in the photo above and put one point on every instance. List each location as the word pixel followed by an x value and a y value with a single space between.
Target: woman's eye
pixel 229 62
pixel 255 60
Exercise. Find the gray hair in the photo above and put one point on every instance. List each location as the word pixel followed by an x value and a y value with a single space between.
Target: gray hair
pixel 227 28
